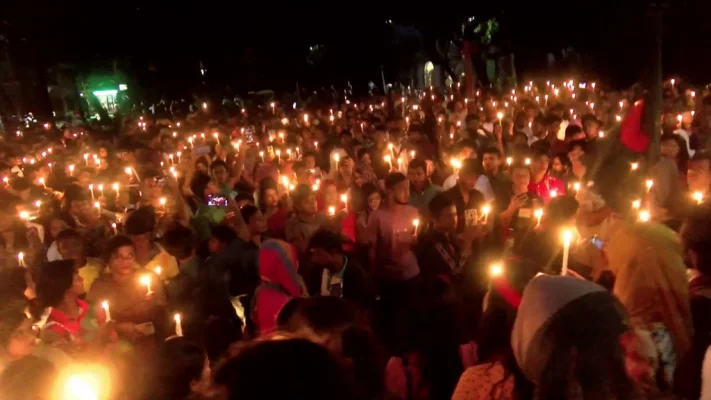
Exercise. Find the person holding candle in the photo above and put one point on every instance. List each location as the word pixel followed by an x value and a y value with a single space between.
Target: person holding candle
pixel 18 335
pixel 698 174
pixel 59 286
pixel 465 195
pixel 517 217
pixel 138 316
pixel 139 227
pixel 541 181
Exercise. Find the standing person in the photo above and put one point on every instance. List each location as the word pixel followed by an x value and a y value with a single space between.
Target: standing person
pixel 465 196
pixel 372 199
pixel 699 174
pixel 272 208
pixel 278 270
pixel 543 183
pixel 566 340
pixel 491 163
pixel 696 240
pixel 306 219
pixel 335 273
pixel 421 189
pixel 519 204
pixel 391 236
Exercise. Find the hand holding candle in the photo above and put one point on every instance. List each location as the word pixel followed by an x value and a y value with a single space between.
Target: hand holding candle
pixel 538 214
pixel 146 281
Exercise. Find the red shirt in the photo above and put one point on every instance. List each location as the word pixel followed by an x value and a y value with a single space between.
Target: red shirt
pixel 546 186
pixel 277 223
pixel 68 328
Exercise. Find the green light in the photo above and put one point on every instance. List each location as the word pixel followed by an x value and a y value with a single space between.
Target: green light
pixel 105 93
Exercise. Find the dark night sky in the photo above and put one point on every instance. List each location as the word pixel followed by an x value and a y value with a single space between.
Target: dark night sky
pixel 171 37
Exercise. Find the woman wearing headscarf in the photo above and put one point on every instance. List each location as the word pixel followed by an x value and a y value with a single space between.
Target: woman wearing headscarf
pixel 278 265
pixel 566 340
pixel 650 281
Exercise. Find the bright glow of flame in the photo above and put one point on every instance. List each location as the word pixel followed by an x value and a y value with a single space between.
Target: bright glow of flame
pixel 496 270
pixel 644 216
pixel 567 237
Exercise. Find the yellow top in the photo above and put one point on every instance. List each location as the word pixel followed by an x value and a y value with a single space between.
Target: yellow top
pixel 166 262
pixel 90 271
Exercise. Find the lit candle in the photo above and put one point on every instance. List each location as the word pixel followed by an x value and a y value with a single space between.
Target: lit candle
pixel 344 199
pixel 331 210
pixel 649 183
pixel 86 159
pixel 179 153
pixel 101 189
pixel 98 207
pixel 644 216
pixel 416 224
pixel 538 214
pixel 527 161
pixel 273 106
pixel 170 156
pixel 162 203
pixel 495 271
pixel 699 197
pixel 486 210
pixel 146 281
pixel 71 169
pixel 178 325
pixel 500 115
pixel 190 140
pixel 105 306
pixel 509 161
pixel 21 259
pixel 634 166
pixel 91 188
pixel 278 154
pixel 576 187
pixel 158 270
pixel 553 194
pixel 389 161
pixel 636 204
pixel 567 239
pixel 41 180
pixel 261 154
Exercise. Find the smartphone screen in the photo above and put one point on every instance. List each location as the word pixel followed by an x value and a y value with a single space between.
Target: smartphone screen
pixel 217 201
pixel 597 242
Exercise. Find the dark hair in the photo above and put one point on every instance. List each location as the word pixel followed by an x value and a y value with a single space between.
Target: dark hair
pixel 563 157
pixel 68 234
pixel 20 184
pixel 572 130
pixel 306 371
pixel 299 165
pixel 696 235
pixel 361 152
pixel 217 163
pixel 224 233
pixel 438 203
pixel 248 212
pixel 53 280
pixel 179 242
pixel 300 193
pixel 264 184
pixel 538 151
pixel 493 150
pixel 470 166
pixel 327 240
pixel 417 163
pixel 682 159
pixel 199 183
pixel 115 243
pixel 141 221
pixel 12 315
pixel 180 362
pixel 393 179
pixel 29 378
pixel 582 143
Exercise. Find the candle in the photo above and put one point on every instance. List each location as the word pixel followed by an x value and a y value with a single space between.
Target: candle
pixel 162 203
pixel 636 204
pixel 316 145
pixel 644 216
pixel 344 199
pixel 331 210
pixel 576 187
pixel 500 115
pixel 170 156
pixel 91 188
pixel 86 159
pixel 416 224
pixel 567 238
pixel 179 153
pixel 278 154
pixel 190 140
pixel 527 161
pixel 389 161
pixel 538 214
pixel 634 166
pixel 553 194
pixel 41 180
pixel 105 306
pixel 146 281
pixel 391 147
pixel 178 325
pixel 699 197
pixel 98 207
pixel 101 189
pixel 217 136
pixel 261 154
pixel 158 270
pixel 21 259
pixel 273 106
pixel 486 210
pixel 649 183
pixel 71 169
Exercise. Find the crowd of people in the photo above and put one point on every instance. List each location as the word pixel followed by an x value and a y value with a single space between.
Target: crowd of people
pixel 428 244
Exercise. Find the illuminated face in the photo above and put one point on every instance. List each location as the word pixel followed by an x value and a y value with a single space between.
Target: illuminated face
pixel 123 260
pixel 520 177
pixel 401 192
pixel 447 219
pixel 77 284
pixel 220 174
pixel 374 201
pixel 557 166
pixel 417 177
pixel 490 162
pixel 539 164
pixel 309 205
pixel 271 198
pixel 331 195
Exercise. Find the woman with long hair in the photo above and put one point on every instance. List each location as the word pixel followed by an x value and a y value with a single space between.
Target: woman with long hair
pixel 272 208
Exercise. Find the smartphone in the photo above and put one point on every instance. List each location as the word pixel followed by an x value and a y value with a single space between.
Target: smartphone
pixel 202 150
pixel 217 201
pixel 249 134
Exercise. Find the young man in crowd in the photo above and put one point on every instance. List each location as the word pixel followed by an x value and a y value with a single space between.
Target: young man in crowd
pixel 306 219
pixel 336 274
pixel 541 182
pixel 421 189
